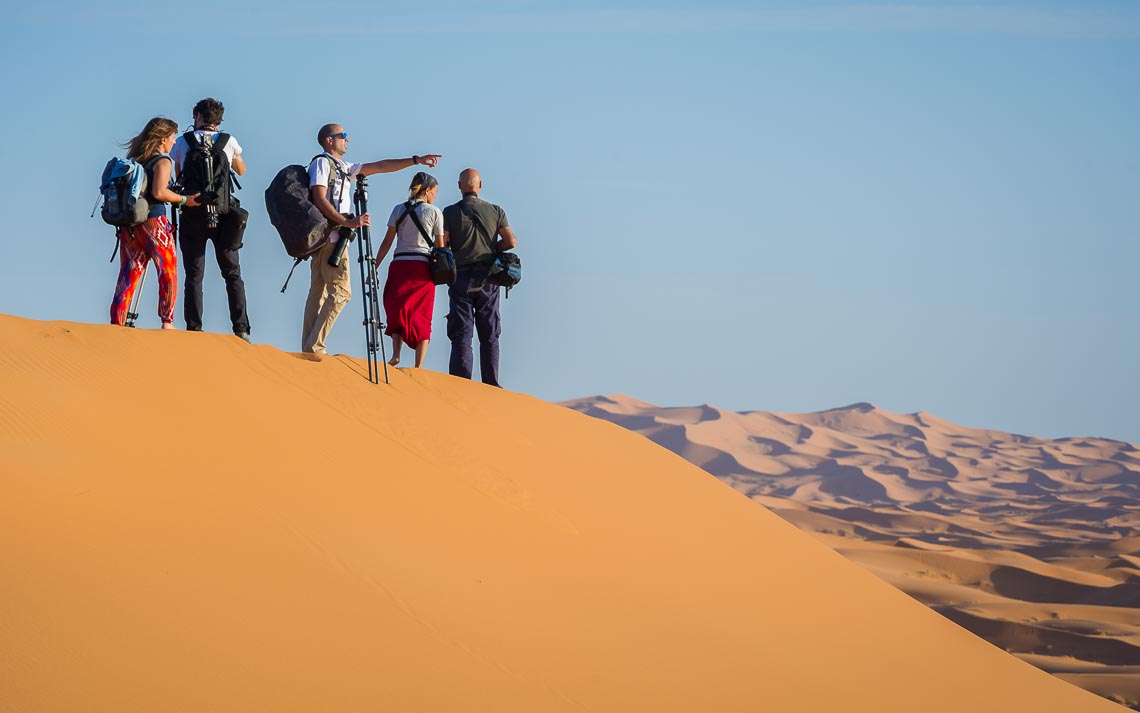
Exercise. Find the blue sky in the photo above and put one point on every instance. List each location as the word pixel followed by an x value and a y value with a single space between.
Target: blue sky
pixel 777 206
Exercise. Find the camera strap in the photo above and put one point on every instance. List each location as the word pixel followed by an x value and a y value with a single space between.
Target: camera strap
pixel 410 210
pixel 334 170
pixel 473 216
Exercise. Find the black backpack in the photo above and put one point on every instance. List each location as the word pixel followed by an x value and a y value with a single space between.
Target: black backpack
pixel 206 170
pixel 300 223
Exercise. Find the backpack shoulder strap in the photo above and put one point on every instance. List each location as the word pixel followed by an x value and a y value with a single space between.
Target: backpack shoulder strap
pixel 333 166
pixel 411 210
pixel 223 139
pixel 148 171
pixel 328 186
pixel 191 139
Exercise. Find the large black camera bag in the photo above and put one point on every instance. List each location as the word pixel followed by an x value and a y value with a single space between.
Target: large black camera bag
pixel 301 225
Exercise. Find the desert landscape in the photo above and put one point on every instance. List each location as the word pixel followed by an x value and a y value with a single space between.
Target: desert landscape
pixel 189 522
pixel 1031 543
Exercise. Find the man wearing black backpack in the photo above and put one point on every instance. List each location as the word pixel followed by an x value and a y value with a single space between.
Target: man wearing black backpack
pixel 330 189
pixel 204 158
pixel 475 230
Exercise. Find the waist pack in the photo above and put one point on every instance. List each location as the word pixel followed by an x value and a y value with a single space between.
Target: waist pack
pixel 123 189
pixel 505 270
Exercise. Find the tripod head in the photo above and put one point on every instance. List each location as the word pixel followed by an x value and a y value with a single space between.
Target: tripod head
pixel 361 195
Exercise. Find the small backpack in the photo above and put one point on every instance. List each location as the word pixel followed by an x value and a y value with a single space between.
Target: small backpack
pixel 505 271
pixel 206 170
pixel 123 189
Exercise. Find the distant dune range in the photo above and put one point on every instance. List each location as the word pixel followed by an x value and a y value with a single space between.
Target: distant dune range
pixel 191 523
pixel 1031 543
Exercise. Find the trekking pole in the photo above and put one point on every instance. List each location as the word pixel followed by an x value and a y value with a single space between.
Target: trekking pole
pixel 174 211
pixel 372 323
pixel 133 312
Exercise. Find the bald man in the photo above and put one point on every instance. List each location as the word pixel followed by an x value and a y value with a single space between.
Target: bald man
pixel 329 176
pixel 474 230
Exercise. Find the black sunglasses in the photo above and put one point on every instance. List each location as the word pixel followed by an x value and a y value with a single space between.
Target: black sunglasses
pixel 341 135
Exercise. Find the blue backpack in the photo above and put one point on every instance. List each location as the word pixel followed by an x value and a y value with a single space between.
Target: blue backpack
pixel 124 191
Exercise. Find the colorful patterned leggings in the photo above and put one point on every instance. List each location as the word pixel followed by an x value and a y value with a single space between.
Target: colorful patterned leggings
pixel 138 245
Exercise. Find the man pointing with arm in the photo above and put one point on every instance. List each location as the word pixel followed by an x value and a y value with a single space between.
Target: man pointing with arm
pixel 329 178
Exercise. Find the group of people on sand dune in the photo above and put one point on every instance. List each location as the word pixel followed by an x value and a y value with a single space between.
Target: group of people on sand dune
pixel 472 228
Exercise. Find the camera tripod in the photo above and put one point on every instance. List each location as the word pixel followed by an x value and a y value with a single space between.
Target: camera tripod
pixel 373 325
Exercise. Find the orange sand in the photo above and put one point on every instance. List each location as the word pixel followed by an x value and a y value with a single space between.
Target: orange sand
pixel 191 523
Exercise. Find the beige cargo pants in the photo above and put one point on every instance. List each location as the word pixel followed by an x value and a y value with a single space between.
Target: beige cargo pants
pixel 329 291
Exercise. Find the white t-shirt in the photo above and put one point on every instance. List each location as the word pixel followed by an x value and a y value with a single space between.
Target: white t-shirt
pixel 178 153
pixel 340 194
pixel 408 236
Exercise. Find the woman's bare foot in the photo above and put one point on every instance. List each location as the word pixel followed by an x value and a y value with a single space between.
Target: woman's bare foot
pixel 397 346
pixel 421 353
pixel 168 325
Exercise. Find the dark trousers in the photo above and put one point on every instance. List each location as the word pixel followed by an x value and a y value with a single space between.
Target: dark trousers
pixel 193 235
pixel 474 308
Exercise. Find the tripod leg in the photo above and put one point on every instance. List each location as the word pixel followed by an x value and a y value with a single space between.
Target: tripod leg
pixel 372 325
pixel 374 305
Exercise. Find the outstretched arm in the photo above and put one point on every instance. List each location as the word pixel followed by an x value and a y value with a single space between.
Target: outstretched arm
pixel 389 165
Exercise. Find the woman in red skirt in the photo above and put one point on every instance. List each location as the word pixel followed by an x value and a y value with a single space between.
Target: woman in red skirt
pixel 409 294
pixel 152 240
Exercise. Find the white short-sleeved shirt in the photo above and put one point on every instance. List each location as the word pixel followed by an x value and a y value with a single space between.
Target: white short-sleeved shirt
pixel 340 194
pixel 408 237
pixel 178 153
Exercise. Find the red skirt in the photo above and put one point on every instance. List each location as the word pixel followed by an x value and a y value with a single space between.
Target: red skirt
pixel 409 299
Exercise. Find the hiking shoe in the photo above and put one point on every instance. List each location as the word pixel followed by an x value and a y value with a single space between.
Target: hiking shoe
pixel 244 336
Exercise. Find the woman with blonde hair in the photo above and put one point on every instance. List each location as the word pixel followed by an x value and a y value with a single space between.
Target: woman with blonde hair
pixel 409 294
pixel 152 240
